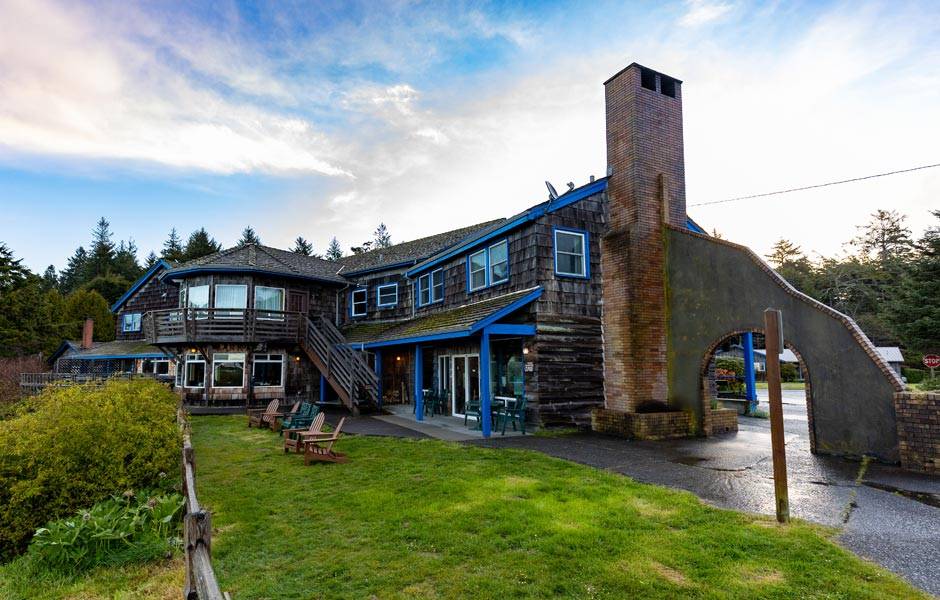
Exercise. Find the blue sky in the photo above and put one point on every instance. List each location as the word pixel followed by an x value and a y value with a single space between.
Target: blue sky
pixel 322 119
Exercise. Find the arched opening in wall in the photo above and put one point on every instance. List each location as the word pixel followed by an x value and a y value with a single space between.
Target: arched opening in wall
pixel 724 380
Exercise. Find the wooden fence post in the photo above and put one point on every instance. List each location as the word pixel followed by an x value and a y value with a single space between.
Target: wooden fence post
pixel 773 328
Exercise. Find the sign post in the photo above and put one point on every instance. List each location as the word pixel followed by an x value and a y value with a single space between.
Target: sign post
pixel 773 333
pixel 931 361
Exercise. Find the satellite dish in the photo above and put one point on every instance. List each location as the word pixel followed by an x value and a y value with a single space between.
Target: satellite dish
pixel 552 194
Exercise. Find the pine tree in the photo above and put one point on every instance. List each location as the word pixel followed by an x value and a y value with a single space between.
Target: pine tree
pixel 12 272
pixel 76 271
pixel 334 251
pixel 173 248
pixel 884 238
pixel 302 246
pixel 125 261
pixel 151 260
pixel 365 247
pixel 915 311
pixel 200 244
pixel 101 257
pixel 381 237
pixel 784 251
pixel 50 279
pixel 249 237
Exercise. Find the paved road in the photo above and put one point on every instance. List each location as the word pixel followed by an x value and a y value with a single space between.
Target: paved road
pixel 885 514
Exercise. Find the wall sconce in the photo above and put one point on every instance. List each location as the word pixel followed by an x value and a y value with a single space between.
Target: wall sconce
pixel 297 359
pixel 398 359
pixel 192 350
pixel 525 349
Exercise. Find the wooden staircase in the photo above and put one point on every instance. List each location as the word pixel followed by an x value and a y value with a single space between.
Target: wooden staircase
pixel 346 370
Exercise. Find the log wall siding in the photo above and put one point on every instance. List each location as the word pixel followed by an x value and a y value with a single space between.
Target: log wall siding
pixel 154 295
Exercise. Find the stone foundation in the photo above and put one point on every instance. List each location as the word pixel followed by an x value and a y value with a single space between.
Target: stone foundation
pixel 642 426
pixel 724 420
pixel 918 420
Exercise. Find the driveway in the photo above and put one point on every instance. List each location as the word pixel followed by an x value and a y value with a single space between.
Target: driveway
pixel 885 514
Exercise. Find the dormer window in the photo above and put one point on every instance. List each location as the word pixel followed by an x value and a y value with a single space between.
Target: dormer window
pixel 431 288
pixel 488 266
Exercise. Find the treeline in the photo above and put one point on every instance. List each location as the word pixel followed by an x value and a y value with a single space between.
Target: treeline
pixel 887 281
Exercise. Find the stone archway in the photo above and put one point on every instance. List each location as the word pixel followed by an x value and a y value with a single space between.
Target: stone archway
pixel 716 287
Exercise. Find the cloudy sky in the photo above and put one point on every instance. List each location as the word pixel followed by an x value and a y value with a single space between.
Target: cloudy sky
pixel 322 119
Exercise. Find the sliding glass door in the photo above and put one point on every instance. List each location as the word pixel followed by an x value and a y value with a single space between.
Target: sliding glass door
pixel 460 375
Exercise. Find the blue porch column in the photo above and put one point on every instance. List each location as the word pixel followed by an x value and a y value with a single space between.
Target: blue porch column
pixel 485 399
pixel 419 384
pixel 378 374
pixel 750 381
pixel 322 388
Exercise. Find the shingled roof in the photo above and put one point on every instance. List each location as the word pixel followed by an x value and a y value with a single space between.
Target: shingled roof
pixel 459 320
pixel 255 257
pixel 409 253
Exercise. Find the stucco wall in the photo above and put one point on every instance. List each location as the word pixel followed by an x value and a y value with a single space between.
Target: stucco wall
pixel 716 288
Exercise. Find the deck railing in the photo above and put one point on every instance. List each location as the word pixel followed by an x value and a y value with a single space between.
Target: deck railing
pixel 33 383
pixel 182 325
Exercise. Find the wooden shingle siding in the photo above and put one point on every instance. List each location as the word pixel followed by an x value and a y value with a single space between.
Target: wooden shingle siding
pixel 154 295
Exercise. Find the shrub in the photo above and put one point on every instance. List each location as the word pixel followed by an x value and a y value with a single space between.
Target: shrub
pixel 913 375
pixel 10 370
pixel 736 365
pixel 930 385
pixel 789 372
pixel 73 446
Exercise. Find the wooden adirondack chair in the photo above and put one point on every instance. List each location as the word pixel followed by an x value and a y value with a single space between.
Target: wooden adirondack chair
pixel 264 417
pixel 278 423
pixel 320 448
pixel 293 439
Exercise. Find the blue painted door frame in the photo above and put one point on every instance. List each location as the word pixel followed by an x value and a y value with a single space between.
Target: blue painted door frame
pixel 750 381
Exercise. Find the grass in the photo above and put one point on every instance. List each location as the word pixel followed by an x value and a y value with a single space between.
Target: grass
pixel 784 385
pixel 429 519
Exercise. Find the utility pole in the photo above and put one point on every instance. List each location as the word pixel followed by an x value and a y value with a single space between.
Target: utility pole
pixel 773 328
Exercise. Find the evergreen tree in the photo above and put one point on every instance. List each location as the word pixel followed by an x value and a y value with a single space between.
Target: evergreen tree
pixel 151 260
pixel 915 311
pixel 200 244
pixel 125 261
pixel 111 286
pixel 381 237
pixel 249 237
pixel 365 247
pixel 50 279
pixel 788 260
pixel 884 238
pixel 302 246
pixel 784 251
pixel 76 271
pixel 334 251
pixel 101 256
pixel 12 272
pixel 88 303
pixel 173 248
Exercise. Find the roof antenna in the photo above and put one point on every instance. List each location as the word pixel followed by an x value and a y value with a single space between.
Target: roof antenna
pixel 552 194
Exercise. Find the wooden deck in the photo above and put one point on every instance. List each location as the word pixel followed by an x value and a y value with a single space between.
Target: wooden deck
pixel 206 325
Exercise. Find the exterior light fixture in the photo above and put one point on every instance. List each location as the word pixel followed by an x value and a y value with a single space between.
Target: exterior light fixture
pixel 525 349
pixel 398 359
pixel 297 358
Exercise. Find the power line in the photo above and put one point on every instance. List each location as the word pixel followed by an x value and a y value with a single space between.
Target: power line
pixel 818 185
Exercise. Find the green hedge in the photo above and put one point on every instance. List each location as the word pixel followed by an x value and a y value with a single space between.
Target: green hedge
pixel 913 375
pixel 71 447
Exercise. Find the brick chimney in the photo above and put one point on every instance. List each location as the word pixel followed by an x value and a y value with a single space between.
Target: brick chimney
pixel 88 333
pixel 646 189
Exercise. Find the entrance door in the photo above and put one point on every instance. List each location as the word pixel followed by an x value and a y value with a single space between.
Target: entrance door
pixel 465 381
pixel 297 301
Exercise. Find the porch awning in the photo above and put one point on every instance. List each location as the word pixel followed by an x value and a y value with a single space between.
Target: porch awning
pixel 461 321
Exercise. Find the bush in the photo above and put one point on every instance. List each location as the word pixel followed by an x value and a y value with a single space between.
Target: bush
pixel 913 375
pixel 10 370
pixel 71 447
pixel 789 372
pixel 930 385
pixel 735 365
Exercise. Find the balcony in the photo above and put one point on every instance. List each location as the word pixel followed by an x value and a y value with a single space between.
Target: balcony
pixel 214 325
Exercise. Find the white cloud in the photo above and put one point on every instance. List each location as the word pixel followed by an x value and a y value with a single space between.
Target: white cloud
pixel 702 12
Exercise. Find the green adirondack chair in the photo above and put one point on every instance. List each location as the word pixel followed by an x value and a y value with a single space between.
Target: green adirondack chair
pixel 514 412
pixel 302 418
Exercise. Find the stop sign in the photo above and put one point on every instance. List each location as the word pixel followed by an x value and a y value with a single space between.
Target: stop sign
pixel 931 361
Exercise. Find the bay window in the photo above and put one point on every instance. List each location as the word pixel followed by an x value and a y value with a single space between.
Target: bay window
pixel 231 296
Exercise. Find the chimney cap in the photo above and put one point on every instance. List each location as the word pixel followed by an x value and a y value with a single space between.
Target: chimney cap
pixel 639 66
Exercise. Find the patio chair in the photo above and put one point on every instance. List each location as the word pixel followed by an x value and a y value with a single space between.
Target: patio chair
pixel 264 417
pixel 302 418
pixel 293 438
pixel 434 403
pixel 512 409
pixel 278 423
pixel 473 409
pixel 319 448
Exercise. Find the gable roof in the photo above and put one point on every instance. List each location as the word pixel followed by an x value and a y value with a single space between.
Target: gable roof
pixel 106 350
pixel 502 227
pixel 461 321
pixel 255 258
pixel 141 282
pixel 407 254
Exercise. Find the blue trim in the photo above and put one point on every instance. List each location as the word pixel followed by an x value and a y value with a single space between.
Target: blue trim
pixel 378 289
pixel 511 329
pixel 414 340
pixel 117 356
pixel 750 378
pixel 693 226
pixel 124 328
pixel 487 267
pixel 243 270
pixel 506 310
pixel 587 251
pixel 140 283
pixel 378 375
pixel 485 392
pixel 364 290
pixel 323 389
pixel 379 269
pixel 530 215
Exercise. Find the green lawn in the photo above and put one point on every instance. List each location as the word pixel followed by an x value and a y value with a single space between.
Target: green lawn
pixel 428 519
pixel 784 385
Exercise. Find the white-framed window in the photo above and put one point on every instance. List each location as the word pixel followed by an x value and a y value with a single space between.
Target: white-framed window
pixel 358 302
pixel 234 296
pixel 155 366
pixel 267 370
pixel 269 299
pixel 130 322
pixel 477 266
pixel 571 253
pixel 431 287
pixel 228 370
pixel 194 375
pixel 488 266
pixel 499 262
pixel 198 297
pixel 386 295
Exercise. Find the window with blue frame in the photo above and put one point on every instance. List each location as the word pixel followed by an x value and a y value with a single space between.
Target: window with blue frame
pixel 358 302
pixel 488 266
pixel 571 253
pixel 131 322
pixel 431 288
pixel 386 295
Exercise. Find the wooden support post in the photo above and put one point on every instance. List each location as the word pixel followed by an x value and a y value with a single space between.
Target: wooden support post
pixel 773 327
